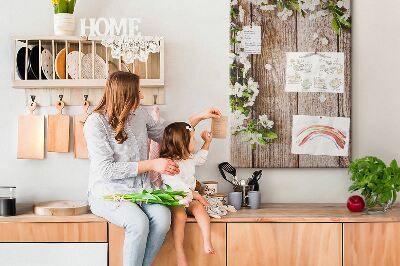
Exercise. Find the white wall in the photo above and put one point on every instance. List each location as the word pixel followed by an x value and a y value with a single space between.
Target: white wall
pixel 196 34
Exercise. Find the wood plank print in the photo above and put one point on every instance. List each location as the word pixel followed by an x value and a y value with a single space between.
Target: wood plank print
pixel 278 37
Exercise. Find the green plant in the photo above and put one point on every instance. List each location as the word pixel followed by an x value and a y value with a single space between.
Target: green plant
pixel 64 6
pixel 160 196
pixel 377 182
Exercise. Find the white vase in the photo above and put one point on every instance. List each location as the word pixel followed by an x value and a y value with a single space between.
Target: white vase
pixel 64 24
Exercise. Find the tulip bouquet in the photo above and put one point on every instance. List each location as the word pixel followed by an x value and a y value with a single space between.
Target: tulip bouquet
pixel 64 6
pixel 166 197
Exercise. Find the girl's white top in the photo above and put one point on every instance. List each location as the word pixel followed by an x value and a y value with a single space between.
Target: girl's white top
pixel 186 180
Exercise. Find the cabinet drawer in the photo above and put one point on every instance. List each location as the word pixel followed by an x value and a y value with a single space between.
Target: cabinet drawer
pixel 370 244
pixel 53 232
pixel 51 254
pixel 285 244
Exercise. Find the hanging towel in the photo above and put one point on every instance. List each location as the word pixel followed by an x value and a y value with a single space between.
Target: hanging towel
pixel 154 150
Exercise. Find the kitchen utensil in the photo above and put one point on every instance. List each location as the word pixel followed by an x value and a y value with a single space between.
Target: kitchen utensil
pixel 58 130
pixel 254 199
pixel 73 64
pixel 235 199
pixel 31 135
pixel 7 201
pixel 47 64
pixel 99 67
pixel 21 55
pixel 245 191
pixel 80 149
pixel 210 187
pixel 219 127
pixel 225 166
pixel 254 180
pixel 61 208
pixel 34 62
pixel 61 62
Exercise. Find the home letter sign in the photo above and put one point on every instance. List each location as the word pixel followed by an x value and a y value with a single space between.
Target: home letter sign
pixel 109 26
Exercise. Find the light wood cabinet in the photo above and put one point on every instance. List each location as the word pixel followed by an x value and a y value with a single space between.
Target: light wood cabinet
pixel 284 244
pixel 371 244
pixel 53 232
pixel 193 246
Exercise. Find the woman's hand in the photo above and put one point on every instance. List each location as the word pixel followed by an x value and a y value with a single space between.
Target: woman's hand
pixel 200 198
pixel 164 166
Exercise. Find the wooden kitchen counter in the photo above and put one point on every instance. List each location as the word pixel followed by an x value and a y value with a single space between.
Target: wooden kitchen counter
pixel 272 212
pixel 25 215
pixel 306 212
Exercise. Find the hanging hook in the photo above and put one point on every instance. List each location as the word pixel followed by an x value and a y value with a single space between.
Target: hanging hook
pixel 155 98
pixel 61 97
pixel 86 97
pixel 33 97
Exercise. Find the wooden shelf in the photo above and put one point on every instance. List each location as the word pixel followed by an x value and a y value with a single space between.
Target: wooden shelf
pixel 71 84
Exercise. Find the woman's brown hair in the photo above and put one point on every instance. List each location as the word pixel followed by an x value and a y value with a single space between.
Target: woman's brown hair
pixel 121 96
pixel 175 144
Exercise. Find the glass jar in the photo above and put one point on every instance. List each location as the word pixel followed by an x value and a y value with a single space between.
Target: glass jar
pixel 7 201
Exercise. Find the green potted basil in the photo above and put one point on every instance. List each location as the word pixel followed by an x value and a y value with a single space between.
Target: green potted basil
pixel 376 182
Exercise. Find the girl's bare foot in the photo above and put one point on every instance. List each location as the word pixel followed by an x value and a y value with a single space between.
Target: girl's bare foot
pixel 209 249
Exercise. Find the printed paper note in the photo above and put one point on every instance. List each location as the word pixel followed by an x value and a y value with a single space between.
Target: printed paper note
pixel 315 72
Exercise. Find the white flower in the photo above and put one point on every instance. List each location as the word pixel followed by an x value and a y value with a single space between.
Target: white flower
pixel 252 138
pixel 285 14
pixel 310 5
pixel 324 41
pixel 268 67
pixel 234 2
pixel 241 14
pixel 237 90
pixel 252 85
pixel 239 35
pixel 268 7
pixel 232 58
pixel 237 121
pixel 265 122
pixel 344 3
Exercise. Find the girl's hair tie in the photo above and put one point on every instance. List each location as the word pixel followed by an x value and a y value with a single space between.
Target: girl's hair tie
pixel 189 128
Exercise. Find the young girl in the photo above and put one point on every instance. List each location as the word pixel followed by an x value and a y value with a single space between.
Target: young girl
pixel 179 145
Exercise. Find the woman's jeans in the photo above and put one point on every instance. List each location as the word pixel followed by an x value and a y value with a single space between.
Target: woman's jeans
pixel 145 227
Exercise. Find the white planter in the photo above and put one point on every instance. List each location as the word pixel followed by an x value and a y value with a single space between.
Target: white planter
pixel 64 24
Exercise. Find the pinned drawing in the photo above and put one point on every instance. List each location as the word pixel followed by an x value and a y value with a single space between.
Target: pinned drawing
pixel 315 72
pixel 320 135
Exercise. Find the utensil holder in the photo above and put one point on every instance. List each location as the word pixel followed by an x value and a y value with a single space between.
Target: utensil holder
pixel 245 193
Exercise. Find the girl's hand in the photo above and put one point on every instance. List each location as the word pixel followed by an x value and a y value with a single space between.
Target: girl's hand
pixel 165 166
pixel 206 136
pixel 211 113
pixel 200 198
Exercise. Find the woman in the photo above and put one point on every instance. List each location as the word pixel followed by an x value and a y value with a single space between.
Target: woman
pixel 116 134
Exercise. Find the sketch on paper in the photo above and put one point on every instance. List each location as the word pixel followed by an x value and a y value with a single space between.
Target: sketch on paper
pixel 315 72
pixel 320 135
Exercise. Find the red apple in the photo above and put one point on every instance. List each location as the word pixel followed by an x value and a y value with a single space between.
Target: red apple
pixel 355 204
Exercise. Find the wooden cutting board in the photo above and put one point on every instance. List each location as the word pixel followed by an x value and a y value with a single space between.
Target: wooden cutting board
pixel 58 131
pixel 80 149
pixel 61 208
pixel 31 135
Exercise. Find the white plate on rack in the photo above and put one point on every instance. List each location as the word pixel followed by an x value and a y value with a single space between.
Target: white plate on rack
pixel 73 64
pixel 100 67
pixel 47 64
